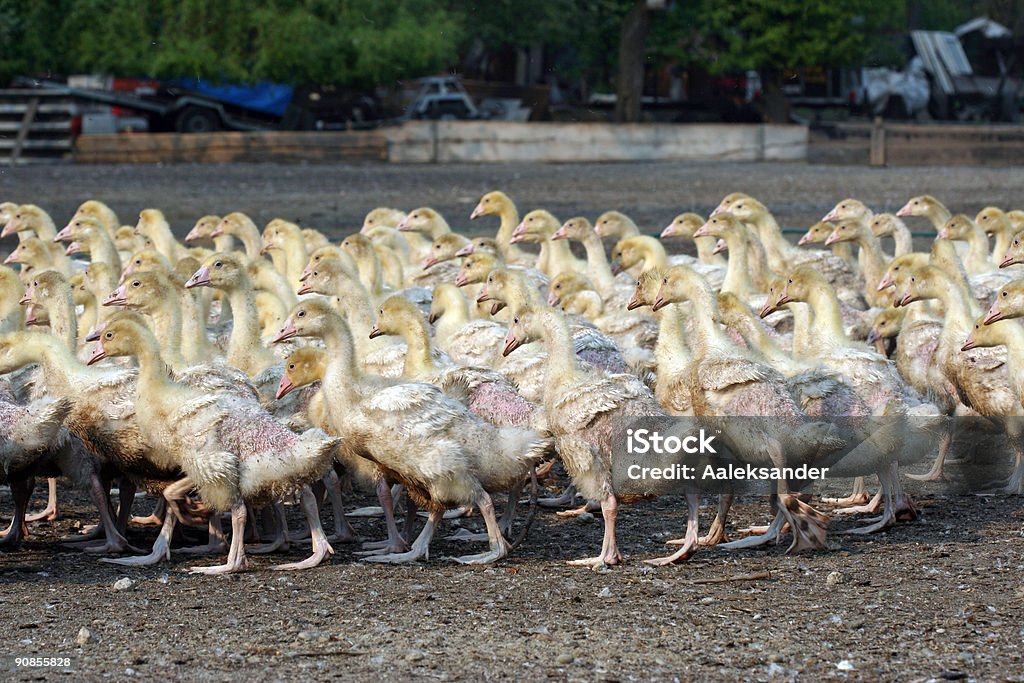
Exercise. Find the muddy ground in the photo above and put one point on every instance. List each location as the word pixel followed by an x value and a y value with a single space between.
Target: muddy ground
pixel 939 598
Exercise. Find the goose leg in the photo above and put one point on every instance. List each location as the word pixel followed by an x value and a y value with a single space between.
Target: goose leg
pixel 125 497
pixel 214 545
pixel 161 548
pixel 690 540
pixel 590 506
pixel 343 531
pixel 154 519
pixel 935 472
pixel 499 546
pixel 609 548
pixel 49 513
pixel 809 526
pixel 321 546
pixel 873 505
pixel 115 542
pixel 280 541
pixel 394 543
pixel 508 517
pixel 420 547
pixel 21 490
pixel 888 517
pixel 1015 486
pixel 771 534
pixel 565 499
pixel 858 496
pixel 716 534
pixel 236 555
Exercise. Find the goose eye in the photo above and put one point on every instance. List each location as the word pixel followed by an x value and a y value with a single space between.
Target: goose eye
pixel 291 366
pixel 881 324
pixel 316 273
pixel 790 281
pixel 558 286
pixel 515 321
pixel 637 283
pixel 138 262
pixel 301 314
pixel 109 335
pixel 136 284
pixel 1005 293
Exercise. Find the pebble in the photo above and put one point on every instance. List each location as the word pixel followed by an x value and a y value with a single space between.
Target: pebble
pixel 707 601
pixel 776 657
pixel 584 518
pixel 845 665
pixel 84 637
pixel 564 658
pixel 414 656
pixel 123 584
pixel 833 579
pixel 775 670
pixel 605 592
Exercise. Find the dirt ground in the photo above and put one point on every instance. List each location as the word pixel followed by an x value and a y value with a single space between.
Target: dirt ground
pixel 938 598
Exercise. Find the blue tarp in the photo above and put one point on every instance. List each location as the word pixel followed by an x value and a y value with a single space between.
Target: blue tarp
pixel 269 98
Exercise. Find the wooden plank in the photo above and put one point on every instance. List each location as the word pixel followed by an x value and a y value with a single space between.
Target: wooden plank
pixel 877 154
pixel 26 122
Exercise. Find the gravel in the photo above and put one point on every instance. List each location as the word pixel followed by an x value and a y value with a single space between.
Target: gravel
pixel 939 598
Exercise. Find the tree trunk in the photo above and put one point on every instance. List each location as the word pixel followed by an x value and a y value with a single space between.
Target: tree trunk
pixel 630 83
pixel 774 104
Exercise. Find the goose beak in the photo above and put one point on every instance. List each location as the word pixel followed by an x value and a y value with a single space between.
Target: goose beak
pixel 201 278
pixel 1007 261
pixel 832 238
pixel 461 280
pixel 30 316
pixel 720 246
pixel 616 268
pixel 717 210
pixel 832 215
pixel 943 234
pixel 11 258
pixel 98 354
pixel 518 234
pixel 433 317
pixel 634 303
pixel 74 248
pixel 9 229
pixel 26 300
pixel 466 250
pixel 375 332
pixel 484 296
pixel 873 336
pixel 553 299
pixel 305 288
pixel 93 335
pixel 284 387
pixel 905 211
pixel 265 246
pixel 496 307
pixel 64 235
pixel 885 282
pixel 511 344
pixel 116 298
pixel 404 225
pixel 218 231
pixel 767 309
pixel 428 261
pixel 969 344
pixel 138 228
pixel 306 272
pixel 659 303
pixel 702 231
pixel 905 300
pixel 560 234
pixel 477 212
pixel 804 239
pixel 994 315
pixel 286 332
pixel 193 234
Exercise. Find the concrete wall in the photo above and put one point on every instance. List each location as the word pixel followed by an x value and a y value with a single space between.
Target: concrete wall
pixel 472 141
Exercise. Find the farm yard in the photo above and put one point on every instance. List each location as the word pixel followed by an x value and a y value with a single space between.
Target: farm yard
pixel 938 598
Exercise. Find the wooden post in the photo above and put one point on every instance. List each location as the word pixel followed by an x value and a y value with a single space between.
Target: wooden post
pixel 26 123
pixel 877 142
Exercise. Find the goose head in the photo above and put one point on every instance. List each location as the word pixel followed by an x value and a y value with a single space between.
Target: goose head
pixel 536 226
pixel 234 224
pixel 683 225
pixel 993 220
pixel 146 260
pixel 985 334
pixel 679 283
pixel 150 221
pixel 566 283
pixel 884 224
pixel 394 315
pixel 747 209
pixel 278 233
pixel 816 234
pixel 100 211
pixel 846 210
pixel 311 318
pixel 325 274
pixel 141 291
pixel 797 286
pixel 627 253
pixel 922 205
pixel 382 216
pixel 222 271
pixel 614 224
pixel 445 247
pixel 120 335
pixel 957 227
pixel 899 269
pixel 1015 252
pixel 23 218
pixel 423 219
pixel 479 245
pixel 844 231
pixel 203 229
pixel 32 253
pixel 923 283
pixel 1008 303
pixel 443 296
pixel 887 324
pixel 645 292
pixel 491 204
pixel 303 367
pixel 523 329
pixel 727 202
pixel 475 268
pixel 723 225
pixel 577 228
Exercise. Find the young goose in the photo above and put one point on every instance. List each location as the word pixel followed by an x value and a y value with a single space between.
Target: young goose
pixel 683 226
pixel 241 227
pixel 29 220
pixel 50 291
pixel 926 206
pixel 888 225
pixel 12 313
pixel 284 238
pixel 32 255
pixel 202 231
pixel 154 227
pixel 497 203
pixel 615 294
pixel 639 253
pixel 961 228
pixel 581 407
pixel 555 257
pixel 725 381
pixel 232 450
pixel 97 209
pixel 368 265
pixel 819 233
pixel 442 453
pixel 465 340
pixel 424 220
pixel 615 224
pixel 478 265
pixel 869 256
pixel 87 234
pixel 996 223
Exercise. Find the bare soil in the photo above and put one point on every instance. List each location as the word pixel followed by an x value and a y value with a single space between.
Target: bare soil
pixel 938 598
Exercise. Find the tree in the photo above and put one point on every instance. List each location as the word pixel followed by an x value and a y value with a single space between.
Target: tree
pixel 773 36
pixel 632 46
